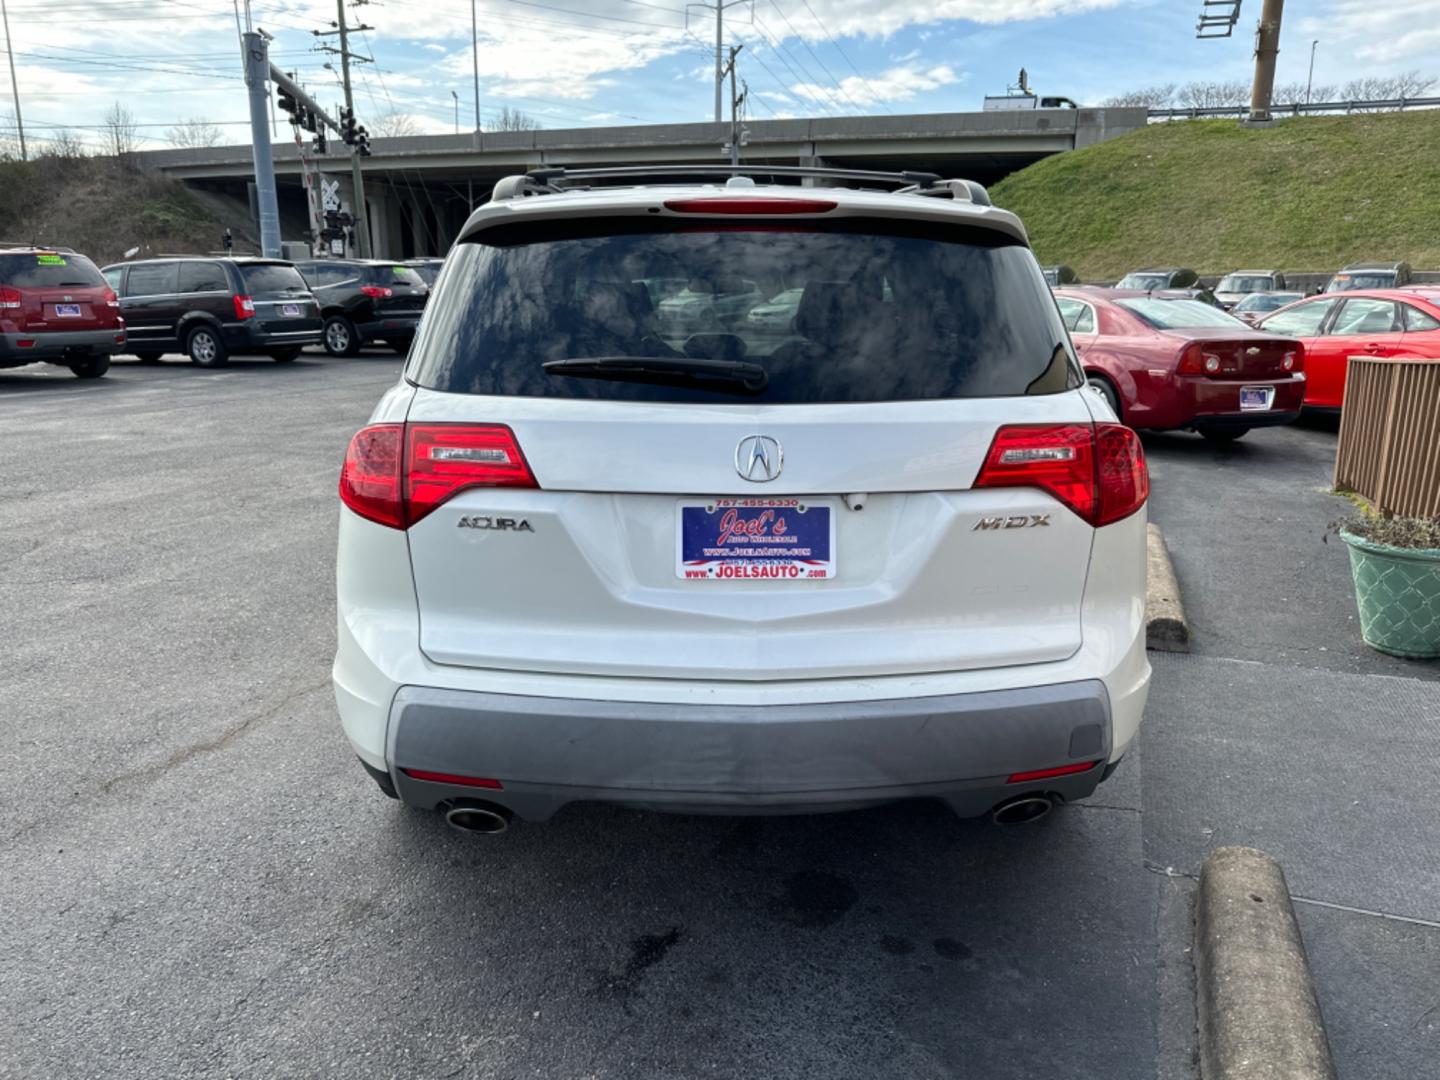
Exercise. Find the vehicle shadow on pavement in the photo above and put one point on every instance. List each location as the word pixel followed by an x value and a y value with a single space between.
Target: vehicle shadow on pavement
pixel 898 941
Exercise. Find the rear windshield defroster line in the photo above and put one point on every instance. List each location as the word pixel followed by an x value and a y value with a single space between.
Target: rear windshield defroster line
pixel 849 311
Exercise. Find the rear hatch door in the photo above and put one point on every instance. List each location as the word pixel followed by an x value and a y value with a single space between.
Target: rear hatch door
pixel 849 475
pixel 283 301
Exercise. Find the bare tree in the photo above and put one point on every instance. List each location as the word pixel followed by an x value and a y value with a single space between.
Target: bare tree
pixel 394 125
pixel 1146 97
pixel 121 133
pixel 1212 95
pixel 197 131
pixel 514 120
pixel 1294 93
pixel 1412 84
pixel 9 144
pixel 63 143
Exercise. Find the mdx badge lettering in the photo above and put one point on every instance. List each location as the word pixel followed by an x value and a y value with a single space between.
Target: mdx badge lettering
pixel 1019 521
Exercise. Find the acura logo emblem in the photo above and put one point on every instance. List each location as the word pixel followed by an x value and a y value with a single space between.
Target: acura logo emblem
pixel 758 458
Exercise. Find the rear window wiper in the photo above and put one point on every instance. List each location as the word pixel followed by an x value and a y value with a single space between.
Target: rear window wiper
pixel 731 375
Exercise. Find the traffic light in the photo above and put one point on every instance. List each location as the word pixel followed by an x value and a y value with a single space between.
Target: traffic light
pixel 318 144
pixel 287 103
pixel 347 126
pixel 362 142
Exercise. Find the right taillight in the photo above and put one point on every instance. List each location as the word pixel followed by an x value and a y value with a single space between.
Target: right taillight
pixel 1098 470
pixel 395 474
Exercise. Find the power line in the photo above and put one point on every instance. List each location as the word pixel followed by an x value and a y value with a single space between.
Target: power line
pixel 801 38
pixel 834 40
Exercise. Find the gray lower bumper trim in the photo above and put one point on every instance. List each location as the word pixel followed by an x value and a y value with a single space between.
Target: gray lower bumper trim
pixel 748 755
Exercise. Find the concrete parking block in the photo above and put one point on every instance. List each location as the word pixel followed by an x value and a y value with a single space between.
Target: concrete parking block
pixel 1256 1006
pixel 1166 629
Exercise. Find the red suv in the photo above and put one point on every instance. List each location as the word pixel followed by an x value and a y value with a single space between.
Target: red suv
pixel 55 306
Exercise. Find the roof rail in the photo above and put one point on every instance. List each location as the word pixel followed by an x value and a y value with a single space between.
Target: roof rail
pixel 552 181
pixel 58 248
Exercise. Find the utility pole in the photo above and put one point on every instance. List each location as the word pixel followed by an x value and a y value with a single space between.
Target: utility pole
pixel 357 179
pixel 257 72
pixel 1267 48
pixel 719 7
pixel 1310 80
pixel 14 86
pixel 735 100
pixel 475 60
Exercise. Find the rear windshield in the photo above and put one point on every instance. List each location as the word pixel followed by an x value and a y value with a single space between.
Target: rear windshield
pixel 394 275
pixel 1345 282
pixel 1179 314
pixel 1244 283
pixel 858 311
pixel 1144 281
pixel 46 271
pixel 272 277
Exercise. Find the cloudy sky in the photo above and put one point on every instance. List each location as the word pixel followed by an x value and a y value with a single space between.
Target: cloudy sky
pixel 580 63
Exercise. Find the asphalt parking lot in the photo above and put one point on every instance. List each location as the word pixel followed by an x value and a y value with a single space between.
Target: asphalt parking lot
pixel 196 878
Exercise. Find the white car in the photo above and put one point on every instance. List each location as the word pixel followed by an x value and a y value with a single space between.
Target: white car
pixel 898 554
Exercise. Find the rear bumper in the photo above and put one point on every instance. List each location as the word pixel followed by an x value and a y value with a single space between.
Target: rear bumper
pixel 391 328
pixel 55 345
pixel 249 336
pixel 547 752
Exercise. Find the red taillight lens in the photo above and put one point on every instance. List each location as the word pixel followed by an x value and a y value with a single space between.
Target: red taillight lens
pixel 10 299
pixel 442 459
pixel 1098 471
pixel 377 292
pixel 1294 360
pixel 370 480
pixel 395 474
pixel 1192 361
pixel 111 300
pixel 244 307
pixel 453 778
pixel 1047 774
pixel 759 207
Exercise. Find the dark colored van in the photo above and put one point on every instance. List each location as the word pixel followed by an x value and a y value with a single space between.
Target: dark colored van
pixel 55 307
pixel 364 301
pixel 213 308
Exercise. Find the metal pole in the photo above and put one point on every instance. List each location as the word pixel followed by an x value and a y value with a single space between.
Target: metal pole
pixel 457 111
pixel 1267 48
pixel 734 108
pixel 719 48
pixel 14 86
pixel 475 60
pixel 257 71
pixel 357 179
pixel 1311 78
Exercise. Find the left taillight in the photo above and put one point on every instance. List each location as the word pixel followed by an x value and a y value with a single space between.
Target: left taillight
pixel 396 474
pixel 10 299
pixel 244 307
pixel 377 292
pixel 1098 470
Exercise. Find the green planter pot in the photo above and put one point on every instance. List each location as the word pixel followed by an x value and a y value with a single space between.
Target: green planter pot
pixel 1398 593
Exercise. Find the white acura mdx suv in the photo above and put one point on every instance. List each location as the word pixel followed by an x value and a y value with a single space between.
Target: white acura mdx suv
pixel 889 549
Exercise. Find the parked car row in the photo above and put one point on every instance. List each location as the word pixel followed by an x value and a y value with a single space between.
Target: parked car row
pixel 56 306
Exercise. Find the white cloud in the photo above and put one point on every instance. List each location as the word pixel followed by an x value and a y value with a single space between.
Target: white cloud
pixel 1397 31
pixel 898 84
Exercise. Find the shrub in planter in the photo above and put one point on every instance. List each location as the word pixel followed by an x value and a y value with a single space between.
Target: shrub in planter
pixel 1396 566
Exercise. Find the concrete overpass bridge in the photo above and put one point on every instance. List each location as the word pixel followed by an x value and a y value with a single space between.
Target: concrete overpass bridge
pixel 420 189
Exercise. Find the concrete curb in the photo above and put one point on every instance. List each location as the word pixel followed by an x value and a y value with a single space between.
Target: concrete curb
pixel 1165 627
pixel 1257 1012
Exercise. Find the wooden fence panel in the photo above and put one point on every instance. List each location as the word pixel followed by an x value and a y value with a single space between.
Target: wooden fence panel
pixel 1389 449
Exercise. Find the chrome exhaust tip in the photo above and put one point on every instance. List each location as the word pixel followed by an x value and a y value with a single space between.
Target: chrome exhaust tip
pixel 1024 809
pixel 472 816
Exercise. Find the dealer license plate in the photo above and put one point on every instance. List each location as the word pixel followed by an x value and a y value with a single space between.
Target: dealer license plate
pixel 1256 398
pixel 755 540
pixel 67 311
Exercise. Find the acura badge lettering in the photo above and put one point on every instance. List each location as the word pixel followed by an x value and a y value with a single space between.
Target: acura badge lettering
pixel 495 524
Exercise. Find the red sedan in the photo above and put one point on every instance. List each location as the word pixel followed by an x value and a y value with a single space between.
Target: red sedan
pixel 1373 322
pixel 1168 362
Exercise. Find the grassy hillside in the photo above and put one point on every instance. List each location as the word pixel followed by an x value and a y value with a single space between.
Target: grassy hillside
pixel 1309 194
pixel 103 207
